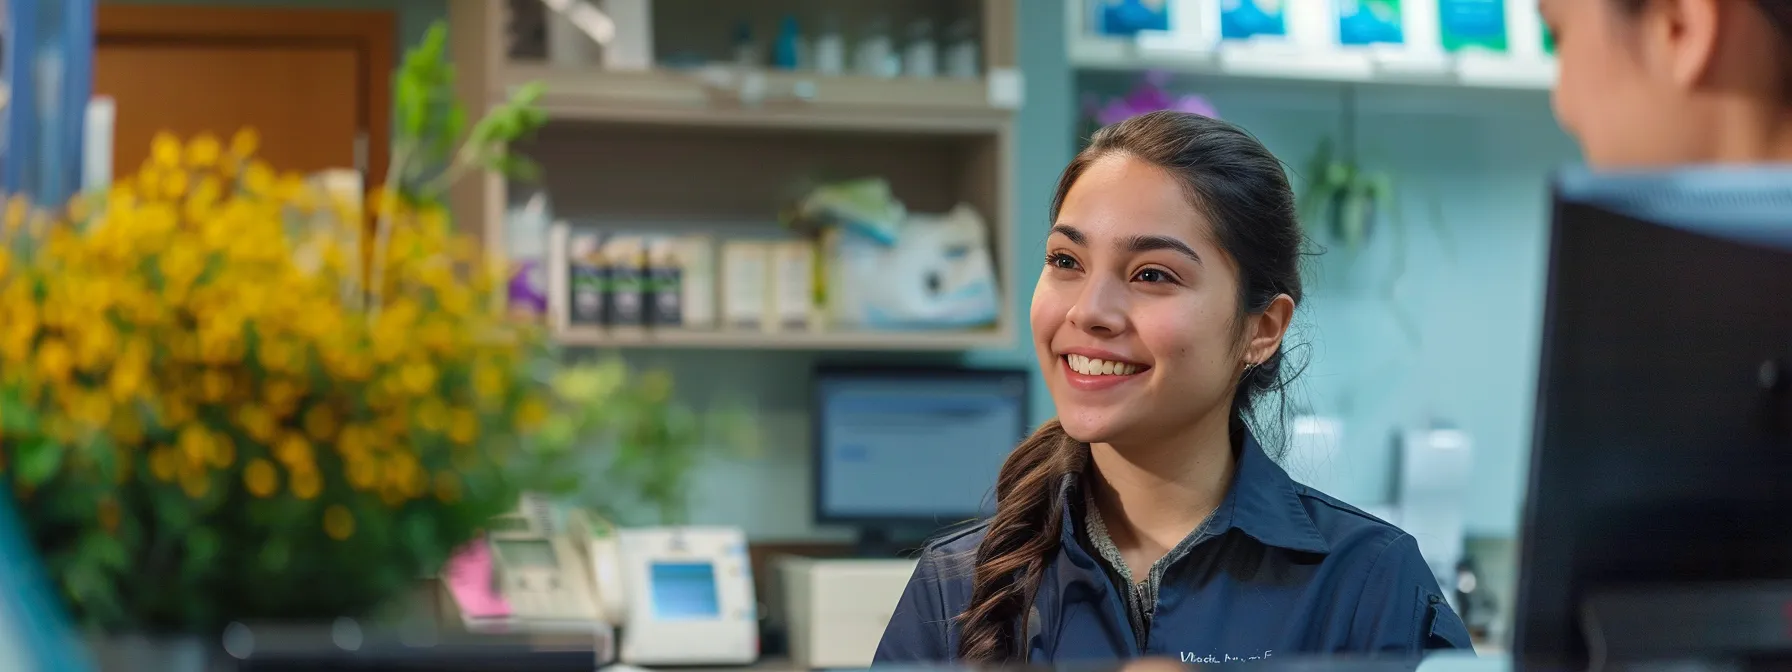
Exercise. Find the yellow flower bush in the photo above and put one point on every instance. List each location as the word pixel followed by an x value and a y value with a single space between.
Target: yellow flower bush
pixel 231 392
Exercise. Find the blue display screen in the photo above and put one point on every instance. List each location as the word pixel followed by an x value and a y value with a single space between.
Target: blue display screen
pixel 684 591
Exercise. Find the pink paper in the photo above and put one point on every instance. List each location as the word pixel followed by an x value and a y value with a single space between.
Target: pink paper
pixel 469 578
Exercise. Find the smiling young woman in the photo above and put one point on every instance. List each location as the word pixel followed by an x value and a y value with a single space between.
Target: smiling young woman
pixel 1651 83
pixel 1147 520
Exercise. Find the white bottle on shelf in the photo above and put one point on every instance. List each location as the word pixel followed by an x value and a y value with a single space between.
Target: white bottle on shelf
pixel 922 57
pixel 631 48
pixel 875 53
pixel 746 50
pixel 830 48
pixel 568 45
pixel 963 53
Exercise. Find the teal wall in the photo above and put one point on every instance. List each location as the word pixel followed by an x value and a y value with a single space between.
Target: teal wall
pixel 1044 140
pixel 1475 291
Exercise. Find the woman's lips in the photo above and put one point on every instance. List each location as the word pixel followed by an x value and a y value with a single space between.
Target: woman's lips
pixel 1091 374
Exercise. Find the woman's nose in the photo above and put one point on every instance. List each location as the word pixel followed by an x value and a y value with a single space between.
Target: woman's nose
pixel 1100 307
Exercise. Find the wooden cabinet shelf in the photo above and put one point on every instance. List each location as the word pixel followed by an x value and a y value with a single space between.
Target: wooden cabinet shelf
pixel 784 340
pixel 720 96
pixel 718 150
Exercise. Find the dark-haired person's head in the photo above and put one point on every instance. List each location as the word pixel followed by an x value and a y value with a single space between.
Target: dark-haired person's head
pixel 1170 276
pixel 1174 251
pixel 1663 82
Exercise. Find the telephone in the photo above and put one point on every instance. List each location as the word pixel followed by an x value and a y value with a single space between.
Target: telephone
pixel 679 595
pixel 541 575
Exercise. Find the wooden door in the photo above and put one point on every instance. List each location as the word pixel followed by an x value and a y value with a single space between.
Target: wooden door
pixel 314 84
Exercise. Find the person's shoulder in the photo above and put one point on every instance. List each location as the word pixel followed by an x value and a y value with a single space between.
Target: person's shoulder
pixel 959 538
pixel 1382 567
pixel 954 552
pixel 1346 528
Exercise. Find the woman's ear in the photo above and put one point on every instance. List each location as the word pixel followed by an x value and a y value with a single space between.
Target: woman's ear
pixel 1687 31
pixel 1265 334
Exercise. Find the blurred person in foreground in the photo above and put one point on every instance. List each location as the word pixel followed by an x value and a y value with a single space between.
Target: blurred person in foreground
pixel 1654 83
pixel 1147 520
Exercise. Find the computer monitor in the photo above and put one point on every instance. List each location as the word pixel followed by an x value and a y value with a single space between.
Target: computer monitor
pixel 901 450
pixel 1659 520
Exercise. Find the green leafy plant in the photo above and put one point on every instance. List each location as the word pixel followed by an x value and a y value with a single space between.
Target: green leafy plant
pixel 432 125
pixel 639 446
pixel 433 148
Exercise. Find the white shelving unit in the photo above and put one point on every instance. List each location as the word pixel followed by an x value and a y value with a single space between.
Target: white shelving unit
pixel 720 145
pixel 1090 51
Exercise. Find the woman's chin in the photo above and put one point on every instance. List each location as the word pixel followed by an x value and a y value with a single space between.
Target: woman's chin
pixel 1089 426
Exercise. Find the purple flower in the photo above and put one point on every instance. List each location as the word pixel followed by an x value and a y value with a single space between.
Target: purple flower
pixel 1151 95
pixel 524 293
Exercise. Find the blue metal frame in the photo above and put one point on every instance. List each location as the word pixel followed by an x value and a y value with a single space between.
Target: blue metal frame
pixel 49 69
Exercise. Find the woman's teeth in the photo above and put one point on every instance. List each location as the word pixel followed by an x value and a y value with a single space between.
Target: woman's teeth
pixel 1100 367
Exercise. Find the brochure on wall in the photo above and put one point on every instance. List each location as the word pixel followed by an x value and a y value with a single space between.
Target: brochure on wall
pixel 1194 29
pixel 1365 22
pixel 1471 25
pixel 1249 19
pixel 1127 18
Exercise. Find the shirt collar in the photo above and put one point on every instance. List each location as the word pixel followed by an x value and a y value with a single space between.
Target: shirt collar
pixel 1264 503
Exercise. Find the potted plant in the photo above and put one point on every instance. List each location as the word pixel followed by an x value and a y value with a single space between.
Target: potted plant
pixel 1346 202
pixel 636 445
pixel 219 392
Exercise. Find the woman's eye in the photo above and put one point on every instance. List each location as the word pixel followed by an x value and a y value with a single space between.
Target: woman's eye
pixel 1152 275
pixel 1060 261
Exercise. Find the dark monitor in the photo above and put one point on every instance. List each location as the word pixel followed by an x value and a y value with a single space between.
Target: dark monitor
pixel 1659 520
pixel 36 632
pixel 913 449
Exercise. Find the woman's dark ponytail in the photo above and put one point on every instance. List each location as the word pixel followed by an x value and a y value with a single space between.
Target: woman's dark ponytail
pixel 1021 541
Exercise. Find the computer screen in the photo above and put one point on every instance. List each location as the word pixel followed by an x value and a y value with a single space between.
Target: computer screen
pixel 913 446
pixel 1661 472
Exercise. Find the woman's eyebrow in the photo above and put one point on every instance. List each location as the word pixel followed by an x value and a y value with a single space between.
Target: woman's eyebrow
pixel 1138 244
pixel 1070 232
pixel 1134 244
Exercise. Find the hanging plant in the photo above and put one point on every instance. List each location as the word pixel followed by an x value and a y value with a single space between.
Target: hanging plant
pixel 1345 203
pixel 1344 199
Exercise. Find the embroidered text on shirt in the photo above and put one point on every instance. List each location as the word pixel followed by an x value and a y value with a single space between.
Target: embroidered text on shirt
pixel 1211 659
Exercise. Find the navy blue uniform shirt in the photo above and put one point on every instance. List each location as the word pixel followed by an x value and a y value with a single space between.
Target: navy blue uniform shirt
pixel 1279 570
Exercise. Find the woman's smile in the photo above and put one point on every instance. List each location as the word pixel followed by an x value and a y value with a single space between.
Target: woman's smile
pixel 1094 370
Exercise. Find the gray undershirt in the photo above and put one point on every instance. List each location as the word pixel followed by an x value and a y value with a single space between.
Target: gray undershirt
pixel 1141 596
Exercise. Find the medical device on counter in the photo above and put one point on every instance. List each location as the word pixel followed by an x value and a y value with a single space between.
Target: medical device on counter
pixel 689 596
pixel 677 595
